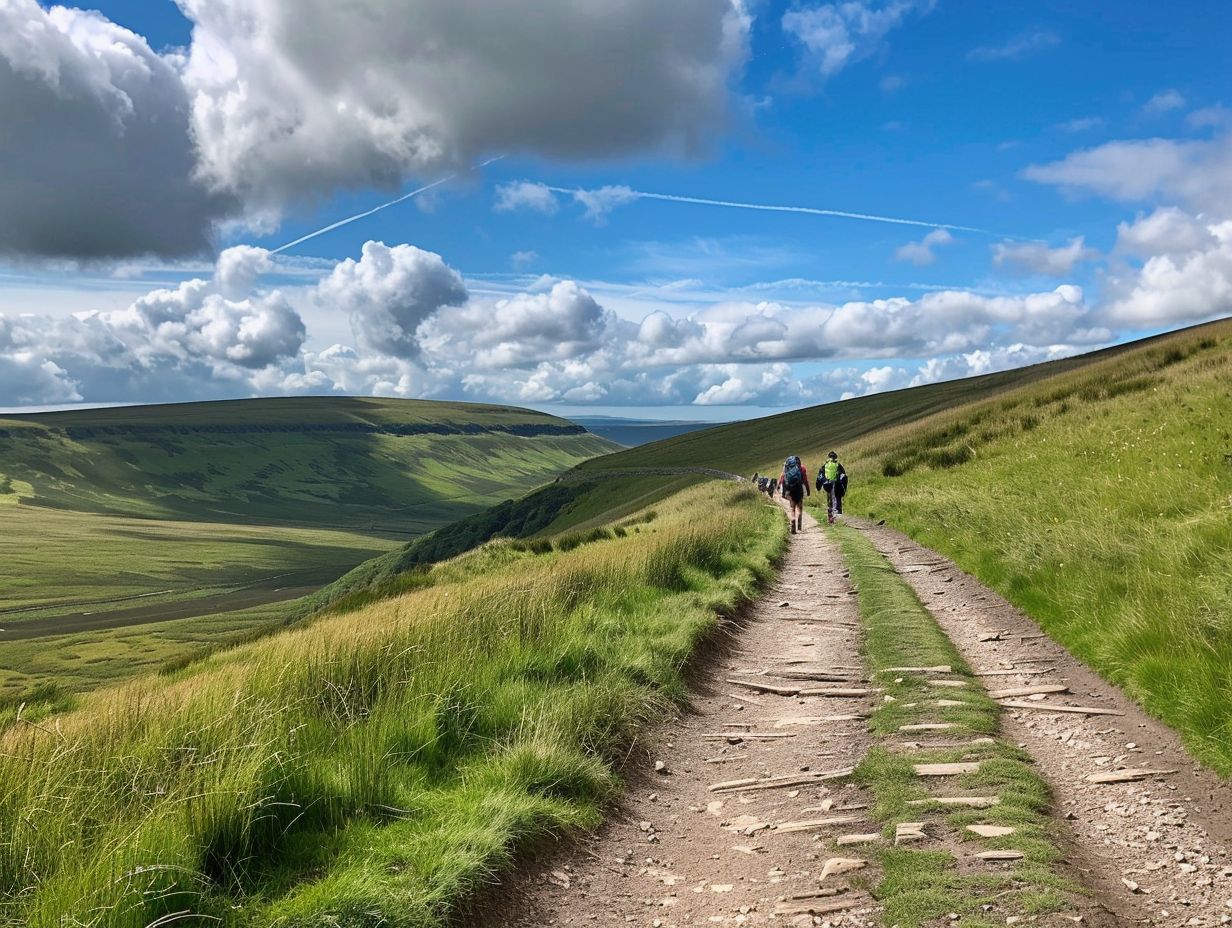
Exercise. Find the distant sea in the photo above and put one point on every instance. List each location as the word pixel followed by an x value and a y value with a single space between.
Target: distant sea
pixel 633 432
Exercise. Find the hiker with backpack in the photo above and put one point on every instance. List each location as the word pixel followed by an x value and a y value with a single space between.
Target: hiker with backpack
pixel 833 479
pixel 794 484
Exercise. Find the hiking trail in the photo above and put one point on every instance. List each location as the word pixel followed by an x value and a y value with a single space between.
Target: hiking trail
pixel 742 810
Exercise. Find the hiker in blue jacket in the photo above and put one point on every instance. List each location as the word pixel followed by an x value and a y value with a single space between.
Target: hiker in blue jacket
pixel 793 484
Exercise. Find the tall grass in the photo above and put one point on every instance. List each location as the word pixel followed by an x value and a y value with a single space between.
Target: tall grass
pixel 1101 503
pixel 377 766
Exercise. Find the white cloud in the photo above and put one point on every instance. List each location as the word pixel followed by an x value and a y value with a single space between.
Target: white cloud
pixel 1017 47
pixel 1210 117
pixel 598 203
pixel 563 323
pixel 1185 284
pixel 1163 102
pixel 202 339
pixel 1166 231
pixel 104 167
pixel 300 97
pixel 1038 258
pixel 389 292
pixel 525 194
pixel 126 152
pixel 921 253
pixel 523 258
pixel 838 34
pixel 1193 173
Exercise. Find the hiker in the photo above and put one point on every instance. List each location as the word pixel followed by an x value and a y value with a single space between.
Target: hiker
pixel 833 479
pixel 794 483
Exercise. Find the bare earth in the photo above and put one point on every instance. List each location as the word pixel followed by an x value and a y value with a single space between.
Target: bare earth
pixel 1168 835
pixel 678 851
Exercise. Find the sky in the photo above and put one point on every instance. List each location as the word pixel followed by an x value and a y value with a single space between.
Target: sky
pixel 707 209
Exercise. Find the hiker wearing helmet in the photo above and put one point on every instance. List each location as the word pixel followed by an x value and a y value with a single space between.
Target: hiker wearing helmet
pixel 833 479
pixel 793 483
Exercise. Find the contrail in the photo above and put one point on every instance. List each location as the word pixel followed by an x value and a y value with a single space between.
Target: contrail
pixel 810 210
pixel 376 209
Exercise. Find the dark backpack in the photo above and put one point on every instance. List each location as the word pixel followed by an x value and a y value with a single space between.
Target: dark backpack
pixel 793 474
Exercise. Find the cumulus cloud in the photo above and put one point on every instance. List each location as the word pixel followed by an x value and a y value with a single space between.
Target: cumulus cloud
pixel 1017 47
pixel 441 83
pixel 389 292
pixel 525 194
pixel 1193 173
pixel 127 152
pixel 216 320
pixel 103 162
pixel 1189 282
pixel 835 35
pixel 598 203
pixel 562 323
pixel 921 253
pixel 201 339
pixel 1166 231
pixel 1038 258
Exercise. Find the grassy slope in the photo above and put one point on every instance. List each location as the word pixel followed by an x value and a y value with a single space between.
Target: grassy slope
pixel 341 462
pixel 761 444
pixel 122 512
pixel 374 767
pixel 1101 503
pixel 1095 493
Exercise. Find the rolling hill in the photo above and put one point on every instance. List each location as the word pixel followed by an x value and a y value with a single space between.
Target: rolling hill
pixel 1095 493
pixel 120 520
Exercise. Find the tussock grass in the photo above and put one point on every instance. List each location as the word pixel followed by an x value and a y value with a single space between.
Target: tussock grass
pixel 924 885
pixel 1099 502
pixel 377 766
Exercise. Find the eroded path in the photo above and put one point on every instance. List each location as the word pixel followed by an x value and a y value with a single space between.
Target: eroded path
pixel 743 811
pixel 1155 847
pixel 682 849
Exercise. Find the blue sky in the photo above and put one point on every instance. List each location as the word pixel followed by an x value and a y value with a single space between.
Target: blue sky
pixel 1089 142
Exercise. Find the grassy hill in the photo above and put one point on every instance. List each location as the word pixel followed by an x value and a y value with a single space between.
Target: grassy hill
pixel 397 467
pixel 377 766
pixel 761 444
pixel 133 529
pixel 1094 492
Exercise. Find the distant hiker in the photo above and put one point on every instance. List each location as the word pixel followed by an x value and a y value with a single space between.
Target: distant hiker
pixel 774 485
pixel 794 481
pixel 833 479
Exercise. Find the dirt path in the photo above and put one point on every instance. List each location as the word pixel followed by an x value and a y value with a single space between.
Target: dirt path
pixel 684 849
pixel 1155 850
pixel 678 852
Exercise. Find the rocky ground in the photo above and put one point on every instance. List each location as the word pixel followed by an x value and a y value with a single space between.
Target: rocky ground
pixel 737 812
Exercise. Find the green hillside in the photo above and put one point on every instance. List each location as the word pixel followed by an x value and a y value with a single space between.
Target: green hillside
pixel 761 444
pixel 1095 493
pixel 133 529
pixel 397 467
pixel 375 767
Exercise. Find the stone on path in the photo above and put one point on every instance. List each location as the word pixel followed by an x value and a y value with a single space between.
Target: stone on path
pixel 946 770
pixel 814 824
pixel 838 865
pixel 1000 855
pixel 767 687
pixel 845 840
pixel 928 726
pixel 991 831
pixel 1037 690
pixel 907 832
pixel 1052 707
pixel 969 802
pixel 1128 775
